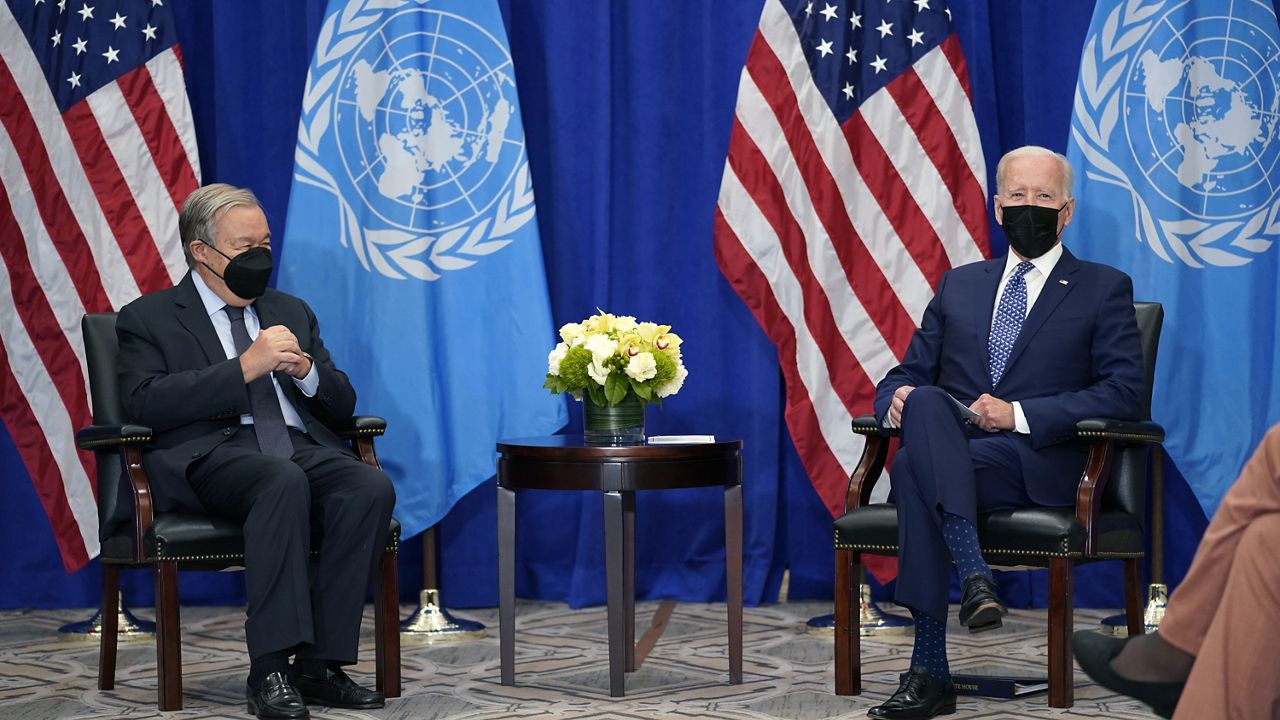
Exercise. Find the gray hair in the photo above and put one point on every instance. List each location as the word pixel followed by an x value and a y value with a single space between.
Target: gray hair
pixel 201 209
pixel 1068 174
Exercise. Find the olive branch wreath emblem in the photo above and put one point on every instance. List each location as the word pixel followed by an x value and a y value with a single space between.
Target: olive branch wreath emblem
pixel 394 253
pixel 1193 241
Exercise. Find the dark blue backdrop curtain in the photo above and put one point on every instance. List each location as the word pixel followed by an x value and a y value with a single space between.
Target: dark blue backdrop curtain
pixel 627 108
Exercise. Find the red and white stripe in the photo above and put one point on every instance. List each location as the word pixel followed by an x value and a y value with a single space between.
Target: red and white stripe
pixel 88 221
pixel 836 235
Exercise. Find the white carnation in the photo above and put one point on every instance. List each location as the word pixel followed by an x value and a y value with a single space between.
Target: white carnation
pixel 598 371
pixel 676 383
pixel 601 346
pixel 642 366
pixel 556 357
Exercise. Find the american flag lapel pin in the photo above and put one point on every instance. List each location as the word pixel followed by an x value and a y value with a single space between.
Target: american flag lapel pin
pixel 1062 282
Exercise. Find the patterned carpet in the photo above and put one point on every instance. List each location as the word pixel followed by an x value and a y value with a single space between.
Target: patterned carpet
pixel 561 669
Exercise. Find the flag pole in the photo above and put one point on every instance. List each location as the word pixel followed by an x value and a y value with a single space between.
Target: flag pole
pixel 1157 591
pixel 128 627
pixel 431 621
pixel 872 621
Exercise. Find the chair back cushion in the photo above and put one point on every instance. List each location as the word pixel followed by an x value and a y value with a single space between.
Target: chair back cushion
pixel 1127 489
pixel 100 348
pixel 1150 320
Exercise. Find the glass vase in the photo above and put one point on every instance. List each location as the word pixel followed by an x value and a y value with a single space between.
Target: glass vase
pixel 621 424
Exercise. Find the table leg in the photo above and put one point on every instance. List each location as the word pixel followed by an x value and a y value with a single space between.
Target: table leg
pixel 507 584
pixel 733 577
pixel 615 588
pixel 629 574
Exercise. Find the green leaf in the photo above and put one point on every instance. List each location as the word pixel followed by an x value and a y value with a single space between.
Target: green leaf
pixel 555 384
pixel 596 394
pixel 615 388
pixel 643 391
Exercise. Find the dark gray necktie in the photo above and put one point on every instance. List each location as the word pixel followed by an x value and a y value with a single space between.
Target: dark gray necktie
pixel 268 420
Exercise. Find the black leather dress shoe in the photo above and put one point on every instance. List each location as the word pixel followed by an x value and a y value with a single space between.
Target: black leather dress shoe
pixel 275 699
pixel 1095 651
pixel 919 695
pixel 337 690
pixel 980 606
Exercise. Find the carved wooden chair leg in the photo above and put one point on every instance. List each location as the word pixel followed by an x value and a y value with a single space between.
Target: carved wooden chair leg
pixel 168 637
pixel 1133 597
pixel 386 620
pixel 110 618
pixel 1061 684
pixel 848 641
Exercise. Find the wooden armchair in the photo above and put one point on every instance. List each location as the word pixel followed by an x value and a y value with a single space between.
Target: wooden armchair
pixel 1105 524
pixel 133 535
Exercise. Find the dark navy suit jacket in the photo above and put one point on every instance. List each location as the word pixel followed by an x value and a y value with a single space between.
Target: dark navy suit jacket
pixel 1078 356
pixel 176 379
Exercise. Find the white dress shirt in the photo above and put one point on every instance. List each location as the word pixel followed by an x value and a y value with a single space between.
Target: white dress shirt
pixel 1035 279
pixel 222 325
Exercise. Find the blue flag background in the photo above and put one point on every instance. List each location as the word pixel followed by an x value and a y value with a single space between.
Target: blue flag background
pixel 1174 139
pixel 411 233
pixel 628 108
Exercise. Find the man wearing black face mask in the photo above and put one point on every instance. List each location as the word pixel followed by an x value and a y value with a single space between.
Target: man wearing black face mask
pixel 240 392
pixel 1031 343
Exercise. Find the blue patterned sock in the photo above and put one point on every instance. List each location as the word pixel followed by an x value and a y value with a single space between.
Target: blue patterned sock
pixel 962 540
pixel 930 649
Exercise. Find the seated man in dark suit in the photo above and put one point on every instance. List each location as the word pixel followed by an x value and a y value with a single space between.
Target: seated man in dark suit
pixel 1031 343
pixel 240 391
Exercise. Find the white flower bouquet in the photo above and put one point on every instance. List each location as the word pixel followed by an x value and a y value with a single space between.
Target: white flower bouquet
pixel 608 357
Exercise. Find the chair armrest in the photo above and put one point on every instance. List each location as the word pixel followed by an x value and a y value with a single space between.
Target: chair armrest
pixel 1143 431
pixel 362 426
pixel 361 430
pixel 871 464
pixel 867 425
pixel 1104 434
pixel 111 437
pixel 127 440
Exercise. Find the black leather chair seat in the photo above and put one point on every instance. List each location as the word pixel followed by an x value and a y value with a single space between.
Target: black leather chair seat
pixel 1047 532
pixel 209 542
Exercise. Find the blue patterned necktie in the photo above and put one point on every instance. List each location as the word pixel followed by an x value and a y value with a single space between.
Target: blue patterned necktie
pixel 268 419
pixel 1008 321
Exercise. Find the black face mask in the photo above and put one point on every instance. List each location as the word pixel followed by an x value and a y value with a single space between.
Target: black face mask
pixel 246 274
pixel 1032 230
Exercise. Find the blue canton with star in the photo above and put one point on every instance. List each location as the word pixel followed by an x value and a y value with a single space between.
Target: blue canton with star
pixel 84 44
pixel 856 47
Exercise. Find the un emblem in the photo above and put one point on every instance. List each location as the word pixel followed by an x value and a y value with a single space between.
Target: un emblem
pixel 410 119
pixel 1180 111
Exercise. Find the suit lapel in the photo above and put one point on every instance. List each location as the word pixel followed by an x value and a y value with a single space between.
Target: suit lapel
pixel 1057 286
pixel 194 317
pixel 266 312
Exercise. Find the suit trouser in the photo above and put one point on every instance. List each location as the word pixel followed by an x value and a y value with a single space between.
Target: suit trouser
pixel 1226 612
pixel 321 497
pixel 944 465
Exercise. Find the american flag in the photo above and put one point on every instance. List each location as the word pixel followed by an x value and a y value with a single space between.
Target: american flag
pixel 97 152
pixel 855 178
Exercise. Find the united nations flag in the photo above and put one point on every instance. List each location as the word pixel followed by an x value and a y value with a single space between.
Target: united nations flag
pixel 411 233
pixel 1173 136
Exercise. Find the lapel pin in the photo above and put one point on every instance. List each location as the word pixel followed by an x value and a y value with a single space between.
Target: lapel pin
pixel 1062 282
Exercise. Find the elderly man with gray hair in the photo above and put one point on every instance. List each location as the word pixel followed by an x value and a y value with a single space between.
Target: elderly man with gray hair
pixel 239 389
pixel 1011 352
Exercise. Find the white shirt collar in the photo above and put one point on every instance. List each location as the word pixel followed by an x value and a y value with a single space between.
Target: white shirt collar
pixel 1045 263
pixel 212 303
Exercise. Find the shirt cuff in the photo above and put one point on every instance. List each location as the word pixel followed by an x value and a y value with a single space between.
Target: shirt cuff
pixel 1020 420
pixel 310 382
